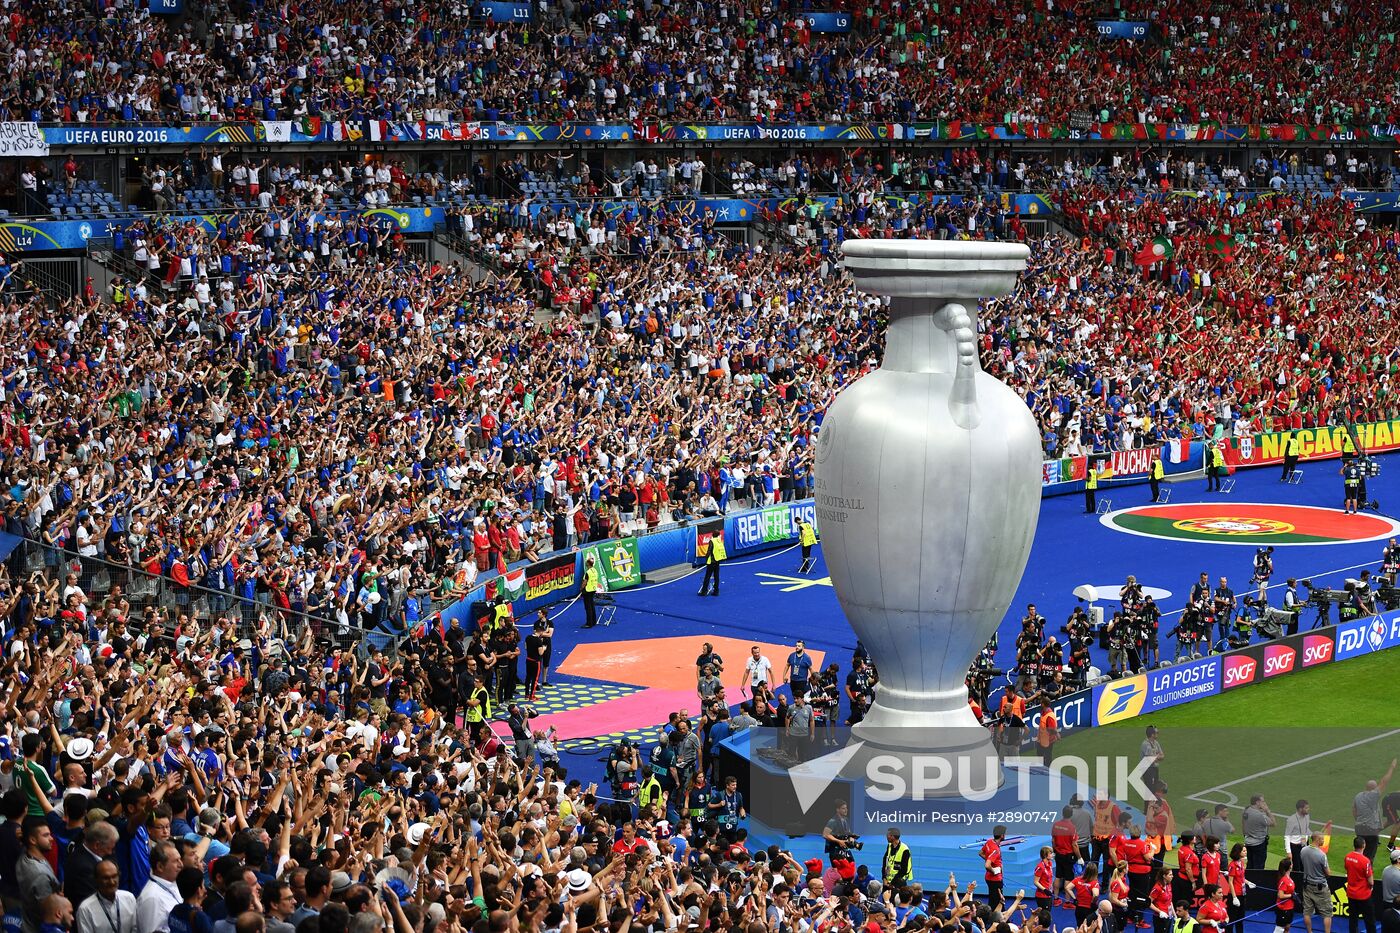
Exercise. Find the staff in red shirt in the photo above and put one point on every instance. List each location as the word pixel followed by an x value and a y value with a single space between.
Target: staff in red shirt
pixel 991 860
pixel 1188 869
pixel 1160 901
pixel 1064 838
pixel 1213 914
pixel 1044 878
pixel 1235 886
pixel 1360 883
pixel 1210 862
pixel 1086 892
pixel 1283 904
pixel 1137 853
pixel 1118 895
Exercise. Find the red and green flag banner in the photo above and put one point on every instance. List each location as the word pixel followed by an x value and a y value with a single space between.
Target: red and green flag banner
pixel 1221 246
pixel 1155 250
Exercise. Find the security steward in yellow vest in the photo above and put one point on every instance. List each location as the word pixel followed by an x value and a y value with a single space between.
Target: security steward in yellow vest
pixel 1348 446
pixel 1215 468
pixel 1291 453
pixel 806 536
pixel 590 591
pixel 714 555
pixel 651 792
pixel 898 863
pixel 501 613
pixel 1091 489
pixel 1154 476
pixel 478 705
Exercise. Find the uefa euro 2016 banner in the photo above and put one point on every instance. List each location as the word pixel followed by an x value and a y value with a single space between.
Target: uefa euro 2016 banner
pixel 316 130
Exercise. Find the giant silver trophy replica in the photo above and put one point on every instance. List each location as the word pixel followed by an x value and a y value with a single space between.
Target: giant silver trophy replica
pixel 928 489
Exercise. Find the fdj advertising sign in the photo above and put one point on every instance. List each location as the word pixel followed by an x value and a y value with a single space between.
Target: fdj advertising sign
pixel 1364 636
pixel 617 562
pixel 772 525
pixel 1162 689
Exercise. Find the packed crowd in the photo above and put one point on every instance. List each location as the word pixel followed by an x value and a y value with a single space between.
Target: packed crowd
pixel 313 419
pixel 903 60
pixel 683 371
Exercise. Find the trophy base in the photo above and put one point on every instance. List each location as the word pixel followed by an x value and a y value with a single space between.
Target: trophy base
pixel 928 761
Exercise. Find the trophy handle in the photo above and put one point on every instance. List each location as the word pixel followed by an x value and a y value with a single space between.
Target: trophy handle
pixel 962 403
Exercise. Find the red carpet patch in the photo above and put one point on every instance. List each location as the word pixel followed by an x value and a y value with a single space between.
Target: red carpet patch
pixel 1250 523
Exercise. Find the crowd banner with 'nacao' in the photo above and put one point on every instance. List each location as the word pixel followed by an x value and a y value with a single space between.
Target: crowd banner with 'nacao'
pixel 1323 443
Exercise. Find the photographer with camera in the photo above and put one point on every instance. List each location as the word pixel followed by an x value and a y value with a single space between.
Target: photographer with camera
pixel 840 841
pixel 1078 629
pixel 1149 623
pixel 1263 569
pixel 519 721
pixel 1390 561
pixel 1225 605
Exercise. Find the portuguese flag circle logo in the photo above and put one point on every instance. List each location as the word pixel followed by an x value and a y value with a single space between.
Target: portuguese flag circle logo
pixel 1254 524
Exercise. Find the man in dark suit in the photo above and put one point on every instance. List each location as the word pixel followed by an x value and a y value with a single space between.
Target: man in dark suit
pixel 80 870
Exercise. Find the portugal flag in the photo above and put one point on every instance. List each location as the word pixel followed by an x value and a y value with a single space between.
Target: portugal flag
pixel 1155 250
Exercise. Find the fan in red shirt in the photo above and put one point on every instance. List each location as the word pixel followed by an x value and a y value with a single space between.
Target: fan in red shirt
pixel 991 859
pixel 1044 878
pixel 629 842
pixel 1360 881
pixel 1086 892
pixel 1213 914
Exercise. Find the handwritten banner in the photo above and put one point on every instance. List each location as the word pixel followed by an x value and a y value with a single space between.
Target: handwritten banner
pixel 22 139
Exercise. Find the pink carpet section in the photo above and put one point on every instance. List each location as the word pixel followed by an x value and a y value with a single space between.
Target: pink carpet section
pixel 635 711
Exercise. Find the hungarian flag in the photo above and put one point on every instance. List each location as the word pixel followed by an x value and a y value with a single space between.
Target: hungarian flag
pixel 1156 250
pixel 510 584
pixel 1222 246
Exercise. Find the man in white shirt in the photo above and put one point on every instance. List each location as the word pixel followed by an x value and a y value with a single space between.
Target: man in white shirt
pixel 1297 828
pixel 110 909
pixel 757 669
pixel 160 895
